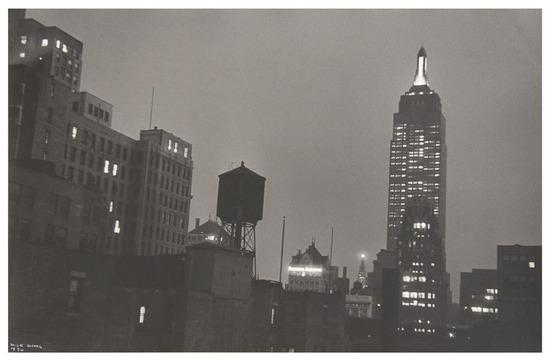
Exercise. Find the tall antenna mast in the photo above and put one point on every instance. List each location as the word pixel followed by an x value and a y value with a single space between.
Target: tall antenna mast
pixel 151 112
pixel 330 260
pixel 282 247
pixel 331 241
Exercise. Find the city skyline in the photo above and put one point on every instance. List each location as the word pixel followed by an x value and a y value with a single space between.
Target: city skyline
pixel 264 81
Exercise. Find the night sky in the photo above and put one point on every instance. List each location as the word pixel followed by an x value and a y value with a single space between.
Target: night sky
pixel 306 99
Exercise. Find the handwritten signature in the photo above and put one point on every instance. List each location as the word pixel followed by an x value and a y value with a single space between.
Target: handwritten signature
pixel 25 347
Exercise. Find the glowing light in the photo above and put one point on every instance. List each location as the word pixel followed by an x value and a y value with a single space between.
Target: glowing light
pixel 363 256
pixel 531 264
pixel 117 227
pixel 420 76
pixel 142 314
pixel 305 269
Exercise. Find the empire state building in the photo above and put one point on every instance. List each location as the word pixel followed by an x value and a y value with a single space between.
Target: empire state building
pixel 418 153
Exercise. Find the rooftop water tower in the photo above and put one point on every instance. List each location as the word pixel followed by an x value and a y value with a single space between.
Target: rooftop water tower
pixel 240 207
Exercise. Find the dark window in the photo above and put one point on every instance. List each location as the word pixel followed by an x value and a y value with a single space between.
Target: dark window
pixel 52 203
pixel 75 292
pixel 70 174
pixel 90 160
pixel 86 211
pixel 82 157
pixel 12 227
pixel 75 106
pixel 87 242
pixel 102 144
pixel 109 147
pixel 84 139
pixel 90 109
pixel 93 140
pixel 49 234
pixel 60 236
pixel 73 154
pixel 124 153
pixel 100 114
pixel 96 111
pixel 50 115
pixel 106 116
pixel 117 150
pixel 28 196
pixel 64 205
pixel 23 230
pixel 15 190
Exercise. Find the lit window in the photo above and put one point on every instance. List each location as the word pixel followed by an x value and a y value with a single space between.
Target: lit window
pixel 44 43
pixel 23 39
pixel 531 264
pixel 142 311
pixel 175 147
pixel 21 55
pixel 74 132
pixel 489 297
pixel 211 238
pixel 117 227
pixel 273 314
pixel 57 44
pixel 115 169
pixel 169 144
pixel 185 151
pixel 111 205
pixel 405 294
pixel 106 167
pixel 65 49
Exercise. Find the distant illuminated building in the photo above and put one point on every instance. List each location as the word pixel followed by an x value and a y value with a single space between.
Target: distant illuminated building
pixel 359 306
pixel 209 231
pixel 478 296
pixel 519 273
pixel 309 271
pixel 362 274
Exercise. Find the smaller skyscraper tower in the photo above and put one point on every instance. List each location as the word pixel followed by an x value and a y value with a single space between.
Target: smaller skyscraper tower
pixel 362 274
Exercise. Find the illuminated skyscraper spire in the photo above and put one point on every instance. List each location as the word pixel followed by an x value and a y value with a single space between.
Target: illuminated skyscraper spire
pixel 421 78
pixel 362 275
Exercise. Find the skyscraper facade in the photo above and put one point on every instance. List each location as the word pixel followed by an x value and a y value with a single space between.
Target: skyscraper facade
pixel 146 182
pixel 418 153
pixel 416 207
pixel 424 283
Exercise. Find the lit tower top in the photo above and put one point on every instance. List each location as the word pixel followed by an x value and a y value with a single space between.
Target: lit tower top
pixel 362 274
pixel 421 78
